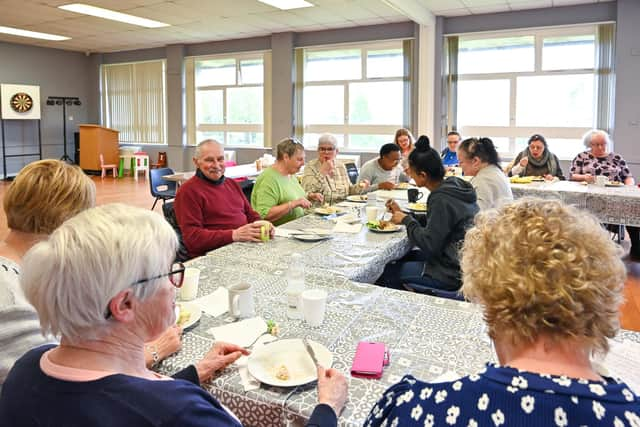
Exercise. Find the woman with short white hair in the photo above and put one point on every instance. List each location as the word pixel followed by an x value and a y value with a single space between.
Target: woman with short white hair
pixel 105 283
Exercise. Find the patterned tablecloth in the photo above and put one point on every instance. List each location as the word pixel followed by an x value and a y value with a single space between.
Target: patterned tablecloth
pixel 614 205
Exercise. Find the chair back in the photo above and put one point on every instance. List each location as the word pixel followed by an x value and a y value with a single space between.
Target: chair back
pixel 170 216
pixel 352 171
pixel 435 292
pixel 101 160
pixel 162 160
pixel 156 180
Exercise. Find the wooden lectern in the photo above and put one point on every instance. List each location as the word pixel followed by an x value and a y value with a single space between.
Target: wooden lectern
pixel 96 140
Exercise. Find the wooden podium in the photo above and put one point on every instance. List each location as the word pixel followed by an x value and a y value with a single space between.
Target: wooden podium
pixel 96 140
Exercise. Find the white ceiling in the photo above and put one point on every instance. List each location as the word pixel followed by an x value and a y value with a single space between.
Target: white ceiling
pixel 195 21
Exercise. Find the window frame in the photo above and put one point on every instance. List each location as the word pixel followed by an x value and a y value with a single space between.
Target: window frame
pixel 512 132
pixel 193 127
pixel 347 129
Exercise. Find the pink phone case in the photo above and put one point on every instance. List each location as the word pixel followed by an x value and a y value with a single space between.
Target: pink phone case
pixel 369 360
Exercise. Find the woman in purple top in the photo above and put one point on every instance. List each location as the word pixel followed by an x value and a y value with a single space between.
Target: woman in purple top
pixel 598 161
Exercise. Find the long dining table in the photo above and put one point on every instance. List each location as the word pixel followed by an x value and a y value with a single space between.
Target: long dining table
pixel 427 337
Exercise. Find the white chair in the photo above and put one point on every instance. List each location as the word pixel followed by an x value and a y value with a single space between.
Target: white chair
pixel 105 168
pixel 141 163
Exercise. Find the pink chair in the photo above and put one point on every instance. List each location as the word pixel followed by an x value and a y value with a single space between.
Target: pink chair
pixel 105 168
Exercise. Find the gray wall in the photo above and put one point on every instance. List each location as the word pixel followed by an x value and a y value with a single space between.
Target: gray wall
pixel 58 73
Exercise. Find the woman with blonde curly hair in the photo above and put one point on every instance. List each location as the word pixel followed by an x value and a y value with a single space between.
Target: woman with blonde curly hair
pixel 549 281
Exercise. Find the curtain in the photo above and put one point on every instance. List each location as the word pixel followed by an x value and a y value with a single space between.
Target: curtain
pixel 605 76
pixel 449 120
pixel 134 101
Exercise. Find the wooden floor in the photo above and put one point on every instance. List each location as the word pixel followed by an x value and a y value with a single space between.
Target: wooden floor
pixel 127 190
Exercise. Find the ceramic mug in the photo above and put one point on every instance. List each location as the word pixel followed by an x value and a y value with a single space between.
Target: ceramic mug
pixel 413 194
pixel 241 300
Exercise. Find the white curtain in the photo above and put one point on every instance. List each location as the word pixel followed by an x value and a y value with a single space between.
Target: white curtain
pixel 134 101
pixel 605 75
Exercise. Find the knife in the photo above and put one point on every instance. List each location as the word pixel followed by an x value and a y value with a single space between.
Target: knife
pixel 309 349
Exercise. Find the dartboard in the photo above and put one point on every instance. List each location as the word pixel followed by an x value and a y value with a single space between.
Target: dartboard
pixel 21 102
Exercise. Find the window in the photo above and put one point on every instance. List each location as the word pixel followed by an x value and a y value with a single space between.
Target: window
pixel 225 99
pixel 511 86
pixel 356 93
pixel 133 101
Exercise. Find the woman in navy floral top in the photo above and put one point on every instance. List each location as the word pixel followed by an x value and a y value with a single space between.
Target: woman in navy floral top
pixel 549 304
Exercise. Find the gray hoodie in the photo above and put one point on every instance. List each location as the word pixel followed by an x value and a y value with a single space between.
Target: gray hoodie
pixel 451 209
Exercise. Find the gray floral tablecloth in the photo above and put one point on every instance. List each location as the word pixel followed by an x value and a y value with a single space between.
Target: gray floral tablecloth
pixel 614 205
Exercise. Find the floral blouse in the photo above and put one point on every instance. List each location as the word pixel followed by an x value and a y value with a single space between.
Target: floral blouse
pixel 612 166
pixel 504 396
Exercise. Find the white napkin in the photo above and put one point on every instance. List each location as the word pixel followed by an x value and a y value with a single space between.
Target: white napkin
pixel 348 218
pixel 242 333
pixel 214 304
pixel 343 227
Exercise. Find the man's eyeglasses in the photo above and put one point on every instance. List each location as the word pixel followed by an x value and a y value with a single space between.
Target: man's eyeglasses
pixel 326 149
pixel 176 277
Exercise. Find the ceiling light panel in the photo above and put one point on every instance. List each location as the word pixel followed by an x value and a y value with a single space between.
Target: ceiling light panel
pixel 32 34
pixel 287 4
pixel 99 12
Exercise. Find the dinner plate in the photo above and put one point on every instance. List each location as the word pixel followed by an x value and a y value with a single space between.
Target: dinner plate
pixel 612 184
pixel 311 237
pixel 386 230
pixel 358 198
pixel 328 211
pixel 265 361
pixel 403 186
pixel 195 311
pixel 417 207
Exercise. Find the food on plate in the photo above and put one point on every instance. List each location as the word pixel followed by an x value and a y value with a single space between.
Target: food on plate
pixel 381 225
pixel 521 179
pixel 184 316
pixel 402 186
pixel 614 184
pixel 417 206
pixel 272 328
pixel 358 198
pixel 327 209
pixel 282 373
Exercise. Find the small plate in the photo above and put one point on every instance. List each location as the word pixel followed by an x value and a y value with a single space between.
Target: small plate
pixel 403 186
pixel 328 211
pixel 311 237
pixel 417 207
pixel 195 311
pixel 614 184
pixel 358 198
pixel 265 361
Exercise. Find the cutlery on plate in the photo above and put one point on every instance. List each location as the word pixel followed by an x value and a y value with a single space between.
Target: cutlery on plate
pixel 309 349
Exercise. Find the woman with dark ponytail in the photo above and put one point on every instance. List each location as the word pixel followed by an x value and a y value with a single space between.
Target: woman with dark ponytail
pixel 479 159
pixel 451 207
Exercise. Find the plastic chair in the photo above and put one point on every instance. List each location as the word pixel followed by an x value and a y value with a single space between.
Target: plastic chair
pixel 161 189
pixel 435 292
pixel 105 168
pixel 141 164
pixel 352 171
pixel 162 161
pixel 170 216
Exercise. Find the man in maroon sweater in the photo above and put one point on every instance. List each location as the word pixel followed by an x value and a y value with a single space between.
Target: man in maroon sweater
pixel 211 210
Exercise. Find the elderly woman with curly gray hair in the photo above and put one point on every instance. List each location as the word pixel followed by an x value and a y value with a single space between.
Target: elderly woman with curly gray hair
pixel 549 282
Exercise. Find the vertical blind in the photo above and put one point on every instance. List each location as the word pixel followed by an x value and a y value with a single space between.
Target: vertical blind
pixel 134 101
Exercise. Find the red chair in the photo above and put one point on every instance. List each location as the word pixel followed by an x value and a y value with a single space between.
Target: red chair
pixel 162 161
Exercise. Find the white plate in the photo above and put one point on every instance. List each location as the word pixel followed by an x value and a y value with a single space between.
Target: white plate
pixel 389 230
pixel 414 207
pixel 195 311
pixel 609 184
pixel 265 361
pixel 311 237
pixel 358 198
pixel 328 211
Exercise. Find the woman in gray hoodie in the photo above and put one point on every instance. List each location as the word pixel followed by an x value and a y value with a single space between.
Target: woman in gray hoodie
pixel 451 209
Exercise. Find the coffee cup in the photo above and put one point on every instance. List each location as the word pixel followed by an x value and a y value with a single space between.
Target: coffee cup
pixel 413 194
pixel 241 300
pixel 265 230
pixel 189 288
pixel 314 304
pixel 372 213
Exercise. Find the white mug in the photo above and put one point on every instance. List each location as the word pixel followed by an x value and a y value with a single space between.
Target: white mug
pixel 314 305
pixel 241 300
pixel 372 213
pixel 189 288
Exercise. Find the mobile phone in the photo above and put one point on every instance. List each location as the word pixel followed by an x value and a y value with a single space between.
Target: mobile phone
pixel 369 360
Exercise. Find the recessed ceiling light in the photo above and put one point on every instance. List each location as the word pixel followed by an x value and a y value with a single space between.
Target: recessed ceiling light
pixel 32 34
pixel 86 9
pixel 287 4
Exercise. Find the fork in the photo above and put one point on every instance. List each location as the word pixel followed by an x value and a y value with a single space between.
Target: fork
pixel 257 338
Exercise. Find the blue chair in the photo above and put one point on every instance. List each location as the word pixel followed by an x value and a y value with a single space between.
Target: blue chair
pixel 435 292
pixel 170 216
pixel 161 189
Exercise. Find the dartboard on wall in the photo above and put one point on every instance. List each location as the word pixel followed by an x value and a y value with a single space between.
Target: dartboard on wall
pixel 21 102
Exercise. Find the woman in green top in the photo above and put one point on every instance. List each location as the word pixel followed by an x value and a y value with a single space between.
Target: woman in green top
pixel 277 195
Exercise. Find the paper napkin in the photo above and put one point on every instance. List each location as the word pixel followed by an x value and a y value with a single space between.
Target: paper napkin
pixel 242 333
pixel 214 304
